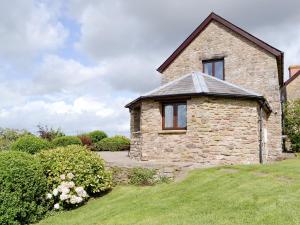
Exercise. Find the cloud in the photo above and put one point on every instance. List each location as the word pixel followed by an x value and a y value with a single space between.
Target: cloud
pixel 80 115
pixel 56 74
pixel 83 60
pixel 27 28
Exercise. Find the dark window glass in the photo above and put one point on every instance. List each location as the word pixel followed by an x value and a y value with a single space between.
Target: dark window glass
pixel 174 116
pixel 214 68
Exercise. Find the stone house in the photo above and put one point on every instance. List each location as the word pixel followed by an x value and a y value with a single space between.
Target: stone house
pixel 219 101
pixel 291 87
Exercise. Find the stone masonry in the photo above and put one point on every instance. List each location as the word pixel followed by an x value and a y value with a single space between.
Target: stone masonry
pixel 293 89
pixel 219 131
pixel 246 65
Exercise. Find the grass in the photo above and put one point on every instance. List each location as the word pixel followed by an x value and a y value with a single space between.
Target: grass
pixel 239 195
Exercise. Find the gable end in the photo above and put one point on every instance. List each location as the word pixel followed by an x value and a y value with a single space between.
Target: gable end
pixel 213 17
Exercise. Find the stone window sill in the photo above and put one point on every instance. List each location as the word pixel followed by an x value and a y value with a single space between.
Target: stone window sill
pixel 172 132
pixel 137 132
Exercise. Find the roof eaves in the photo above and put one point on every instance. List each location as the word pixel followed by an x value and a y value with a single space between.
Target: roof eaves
pixel 255 97
pixel 292 78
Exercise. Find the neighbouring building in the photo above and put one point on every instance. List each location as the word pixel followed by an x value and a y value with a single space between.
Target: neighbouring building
pixel 219 101
pixel 292 85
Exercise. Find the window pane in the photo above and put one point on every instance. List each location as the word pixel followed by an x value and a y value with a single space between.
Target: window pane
pixel 219 70
pixel 169 112
pixel 181 117
pixel 208 68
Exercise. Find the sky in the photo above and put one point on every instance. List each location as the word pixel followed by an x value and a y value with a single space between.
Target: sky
pixel 74 64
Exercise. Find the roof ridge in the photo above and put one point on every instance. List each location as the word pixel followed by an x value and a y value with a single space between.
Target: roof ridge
pixel 200 82
pixel 167 84
pixel 231 84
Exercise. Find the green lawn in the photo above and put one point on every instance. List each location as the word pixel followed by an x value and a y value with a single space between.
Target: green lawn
pixel 268 194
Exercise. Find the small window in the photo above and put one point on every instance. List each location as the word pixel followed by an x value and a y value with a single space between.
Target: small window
pixel 174 116
pixel 214 68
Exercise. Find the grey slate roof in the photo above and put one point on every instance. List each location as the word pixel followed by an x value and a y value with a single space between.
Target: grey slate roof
pixel 197 83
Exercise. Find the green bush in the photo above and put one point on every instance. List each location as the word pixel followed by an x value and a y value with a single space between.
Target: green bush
pixel 142 176
pixel 23 188
pixel 8 136
pixel 116 143
pixel 65 141
pixel 30 144
pixel 87 167
pixel 292 123
pixel 97 135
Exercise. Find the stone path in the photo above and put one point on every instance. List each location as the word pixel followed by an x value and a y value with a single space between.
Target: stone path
pixel 176 170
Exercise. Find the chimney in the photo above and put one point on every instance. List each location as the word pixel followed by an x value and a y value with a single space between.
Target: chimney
pixel 293 70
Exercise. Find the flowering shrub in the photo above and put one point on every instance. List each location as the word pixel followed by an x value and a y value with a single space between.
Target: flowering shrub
pixel 67 195
pixel 86 165
pixel 30 144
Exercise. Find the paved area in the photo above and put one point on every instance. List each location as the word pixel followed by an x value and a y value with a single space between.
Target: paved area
pixel 122 159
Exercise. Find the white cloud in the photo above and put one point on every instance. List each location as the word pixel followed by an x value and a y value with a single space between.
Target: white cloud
pixel 26 28
pixel 80 115
pixel 56 74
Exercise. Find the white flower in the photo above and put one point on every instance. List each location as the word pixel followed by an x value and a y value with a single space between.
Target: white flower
pixel 48 196
pixel 70 176
pixel 70 184
pixel 75 200
pixel 55 192
pixel 62 177
pixel 56 206
pixel 81 192
pixel 64 197
pixel 79 199
pixel 65 190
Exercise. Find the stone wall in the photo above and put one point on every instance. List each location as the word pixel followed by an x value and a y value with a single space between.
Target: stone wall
pixel 246 65
pixel 293 89
pixel 219 131
pixel 135 135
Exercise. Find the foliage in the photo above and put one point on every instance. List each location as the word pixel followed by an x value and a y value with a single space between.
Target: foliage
pixel 8 136
pixel 97 135
pixel 30 144
pixel 85 140
pixel 252 195
pixel 23 188
pixel 49 133
pixel 66 140
pixel 142 176
pixel 67 195
pixel 116 143
pixel 86 165
pixel 292 123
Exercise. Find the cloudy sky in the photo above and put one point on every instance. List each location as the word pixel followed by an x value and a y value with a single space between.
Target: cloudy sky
pixel 74 64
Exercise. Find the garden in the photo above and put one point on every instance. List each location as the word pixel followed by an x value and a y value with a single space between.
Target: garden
pixel 47 177
pixel 50 172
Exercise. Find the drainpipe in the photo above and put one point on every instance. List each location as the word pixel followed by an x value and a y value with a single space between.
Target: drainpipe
pixel 260 121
